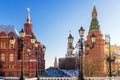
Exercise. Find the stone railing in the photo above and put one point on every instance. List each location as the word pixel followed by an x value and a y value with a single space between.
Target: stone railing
pixel 62 78
pixel 75 78
pixel 102 78
pixel 54 78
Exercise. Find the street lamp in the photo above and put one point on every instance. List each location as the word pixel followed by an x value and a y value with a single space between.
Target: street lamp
pixel 109 58
pixel 22 35
pixel 43 52
pixel 93 40
pixel 80 44
pixel 36 46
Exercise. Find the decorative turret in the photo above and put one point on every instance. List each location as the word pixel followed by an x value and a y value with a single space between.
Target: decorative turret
pixel 28 25
pixel 94 23
pixel 70 46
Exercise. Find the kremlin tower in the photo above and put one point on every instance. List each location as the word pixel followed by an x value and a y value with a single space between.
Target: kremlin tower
pixel 55 63
pixel 94 60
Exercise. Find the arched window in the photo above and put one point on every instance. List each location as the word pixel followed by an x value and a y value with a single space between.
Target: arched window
pixel 1 45
pixel 12 66
pixel 11 57
pixel 4 45
pixel 2 57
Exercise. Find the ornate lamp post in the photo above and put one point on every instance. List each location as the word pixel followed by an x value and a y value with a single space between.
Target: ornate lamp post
pixel 43 51
pixel 109 58
pixel 93 40
pixel 36 46
pixel 80 44
pixel 22 35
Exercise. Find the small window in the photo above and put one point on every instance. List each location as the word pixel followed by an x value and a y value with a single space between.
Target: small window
pixel 4 45
pixel 1 45
pixel 2 57
pixel 11 57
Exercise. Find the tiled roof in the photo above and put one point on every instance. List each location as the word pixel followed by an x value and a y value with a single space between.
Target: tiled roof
pixel 8 28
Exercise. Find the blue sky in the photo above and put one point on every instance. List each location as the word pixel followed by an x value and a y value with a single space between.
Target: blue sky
pixel 53 19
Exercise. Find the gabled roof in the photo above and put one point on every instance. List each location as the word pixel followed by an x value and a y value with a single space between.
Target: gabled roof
pixel 8 28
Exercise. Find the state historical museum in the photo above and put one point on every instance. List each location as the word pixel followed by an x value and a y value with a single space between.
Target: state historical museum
pixel 11 55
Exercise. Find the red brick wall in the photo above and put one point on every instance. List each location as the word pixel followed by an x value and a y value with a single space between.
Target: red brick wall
pixel 97 53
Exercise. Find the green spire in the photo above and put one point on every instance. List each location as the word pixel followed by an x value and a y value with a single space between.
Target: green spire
pixel 94 9
pixel 94 23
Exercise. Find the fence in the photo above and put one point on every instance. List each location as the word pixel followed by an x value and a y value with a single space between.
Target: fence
pixel 62 78
pixel 75 78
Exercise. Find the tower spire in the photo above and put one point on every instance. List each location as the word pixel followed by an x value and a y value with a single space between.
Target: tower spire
pixel 28 25
pixel 94 12
pixel 94 23
pixel 28 15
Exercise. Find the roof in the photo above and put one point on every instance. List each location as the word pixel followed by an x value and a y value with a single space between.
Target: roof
pixel 94 9
pixel 8 28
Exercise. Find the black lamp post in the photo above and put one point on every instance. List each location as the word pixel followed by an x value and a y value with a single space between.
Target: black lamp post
pixel 36 46
pixel 80 44
pixel 93 40
pixel 43 52
pixel 22 35
pixel 109 58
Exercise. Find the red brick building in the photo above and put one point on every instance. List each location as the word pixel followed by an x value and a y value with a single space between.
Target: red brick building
pixel 11 55
pixel 94 64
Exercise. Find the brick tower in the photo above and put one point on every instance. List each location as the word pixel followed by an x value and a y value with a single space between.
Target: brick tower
pixel 55 63
pixel 94 59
